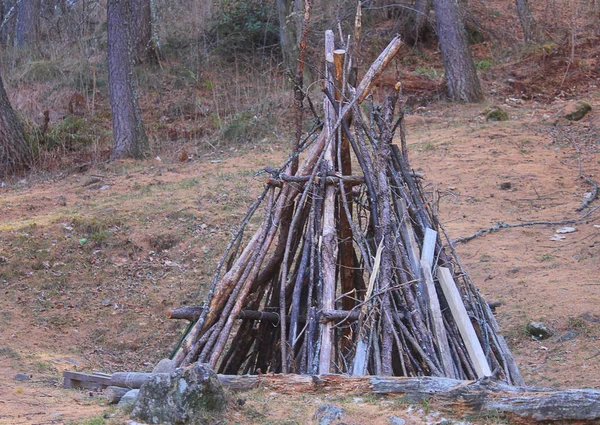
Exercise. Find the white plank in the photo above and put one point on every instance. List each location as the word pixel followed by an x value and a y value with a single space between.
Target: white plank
pixel 463 322
pixel 429 246
pixel 439 331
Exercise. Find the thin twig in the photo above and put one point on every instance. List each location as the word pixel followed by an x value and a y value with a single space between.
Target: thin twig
pixel 501 225
pixel 581 175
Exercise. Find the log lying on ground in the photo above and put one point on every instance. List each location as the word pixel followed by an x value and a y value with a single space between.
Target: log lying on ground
pixel 460 398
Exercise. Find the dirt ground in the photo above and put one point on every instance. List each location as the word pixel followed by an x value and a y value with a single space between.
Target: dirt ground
pixel 90 261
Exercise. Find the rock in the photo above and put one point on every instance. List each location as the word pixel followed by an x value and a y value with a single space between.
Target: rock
pixel 505 185
pixel 495 113
pixel 188 396
pixel 539 330
pixel 574 111
pixel 129 398
pixel 22 377
pixel 395 420
pixel 165 366
pixel 327 413
pixel 568 336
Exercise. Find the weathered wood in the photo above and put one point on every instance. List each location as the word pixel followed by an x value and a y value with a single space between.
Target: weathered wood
pixel 377 68
pixel 437 322
pixel 428 251
pixel 113 394
pixel 463 322
pixel 191 313
pixel 132 380
pixel 525 405
pixel 329 245
pixel 85 380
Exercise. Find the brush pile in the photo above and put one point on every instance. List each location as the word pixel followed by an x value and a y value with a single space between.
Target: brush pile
pixel 347 272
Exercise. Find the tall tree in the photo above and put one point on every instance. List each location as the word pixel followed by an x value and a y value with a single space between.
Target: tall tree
pixel 461 76
pixel 141 32
pixel 15 152
pixel 289 13
pixel 528 24
pixel 128 130
pixel 419 18
pixel 28 14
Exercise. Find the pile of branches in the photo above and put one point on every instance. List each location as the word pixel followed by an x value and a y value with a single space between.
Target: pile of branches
pixel 347 272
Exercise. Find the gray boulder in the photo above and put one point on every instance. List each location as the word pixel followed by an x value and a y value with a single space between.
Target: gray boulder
pixel 574 111
pixel 327 413
pixel 165 366
pixel 539 330
pixel 128 398
pixel 189 396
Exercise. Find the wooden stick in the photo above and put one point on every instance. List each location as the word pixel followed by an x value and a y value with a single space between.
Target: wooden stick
pixel 363 88
pixel 329 244
pixel 463 322
pixel 439 330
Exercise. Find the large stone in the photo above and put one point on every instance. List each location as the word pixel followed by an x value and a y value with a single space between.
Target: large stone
pixel 128 400
pixel 189 396
pixel 539 330
pixel 574 111
pixel 495 113
pixel 327 413
pixel 165 366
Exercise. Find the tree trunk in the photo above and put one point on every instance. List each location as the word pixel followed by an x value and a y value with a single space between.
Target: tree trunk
pixel 527 22
pixel 27 23
pixel 15 153
pixel 141 32
pixel 461 76
pixel 420 13
pixel 288 32
pixel 128 131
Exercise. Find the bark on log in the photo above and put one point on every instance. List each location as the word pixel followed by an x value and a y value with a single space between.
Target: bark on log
pixel 192 313
pixel 132 380
pixel 460 398
pixel 113 394
pixel 524 405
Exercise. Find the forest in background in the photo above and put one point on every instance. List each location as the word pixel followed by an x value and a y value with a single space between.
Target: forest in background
pixel 222 73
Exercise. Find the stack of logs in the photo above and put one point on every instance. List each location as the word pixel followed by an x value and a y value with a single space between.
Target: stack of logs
pixel 347 272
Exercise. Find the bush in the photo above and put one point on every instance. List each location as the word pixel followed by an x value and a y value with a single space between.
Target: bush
pixel 243 25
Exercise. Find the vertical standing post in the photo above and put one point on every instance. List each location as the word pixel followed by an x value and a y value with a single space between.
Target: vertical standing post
pixel 329 243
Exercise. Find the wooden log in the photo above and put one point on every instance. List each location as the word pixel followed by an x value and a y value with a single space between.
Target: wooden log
pixel 363 88
pixel 463 322
pixel 329 245
pixel 132 380
pixel 113 394
pixel 85 380
pixel 193 312
pixel 524 405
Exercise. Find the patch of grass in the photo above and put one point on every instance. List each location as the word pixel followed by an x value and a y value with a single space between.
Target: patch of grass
pixel 428 146
pixel 546 257
pixel 9 352
pixel 485 258
pixel 95 420
pixel 41 71
pixel 163 242
pixel 428 72
pixel 484 64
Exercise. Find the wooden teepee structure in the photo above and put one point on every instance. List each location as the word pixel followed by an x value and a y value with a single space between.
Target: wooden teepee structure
pixel 347 272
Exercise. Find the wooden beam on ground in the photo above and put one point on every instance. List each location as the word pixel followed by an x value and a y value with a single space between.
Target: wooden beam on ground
pixel 522 405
